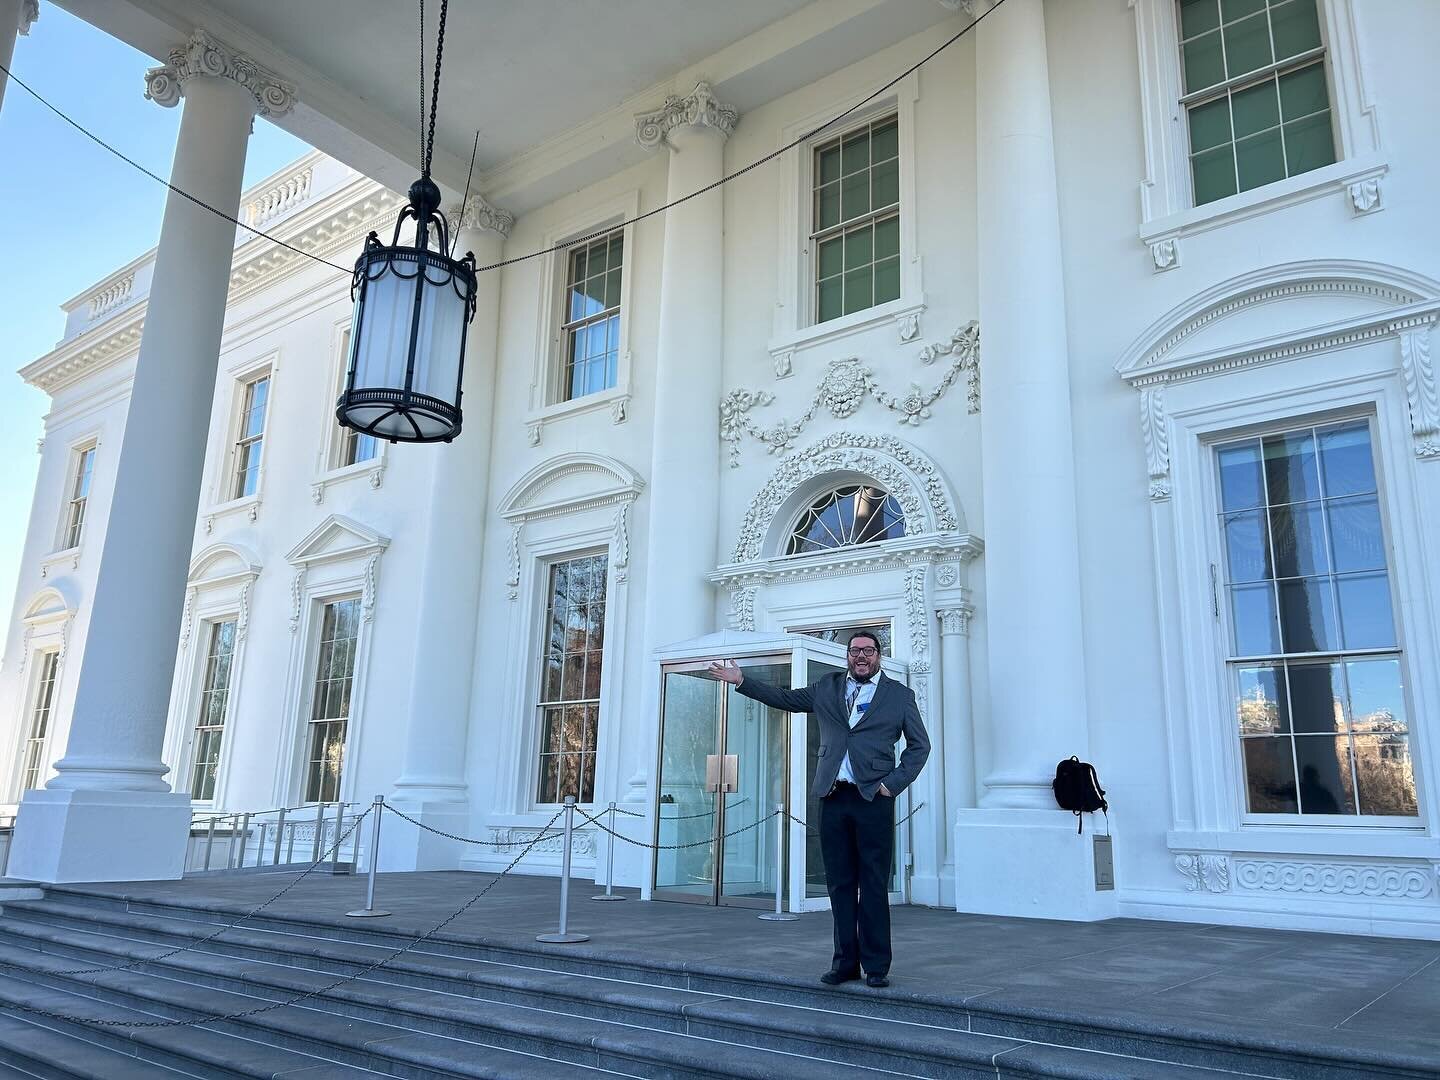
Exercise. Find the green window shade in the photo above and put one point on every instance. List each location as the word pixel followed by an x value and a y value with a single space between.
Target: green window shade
pixel 1296 27
pixel 856 251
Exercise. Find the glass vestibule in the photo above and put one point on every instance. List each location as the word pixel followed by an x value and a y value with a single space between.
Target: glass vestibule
pixel 726 761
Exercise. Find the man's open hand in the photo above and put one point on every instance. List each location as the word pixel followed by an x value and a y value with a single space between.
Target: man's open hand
pixel 727 671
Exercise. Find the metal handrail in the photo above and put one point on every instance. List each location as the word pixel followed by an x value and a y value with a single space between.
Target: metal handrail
pixel 233 840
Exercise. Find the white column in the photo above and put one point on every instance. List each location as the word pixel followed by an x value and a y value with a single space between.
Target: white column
pixel 20 14
pixel 685 457
pixel 1019 854
pixel 959 757
pixel 1032 561
pixel 683 488
pixel 431 786
pixel 108 814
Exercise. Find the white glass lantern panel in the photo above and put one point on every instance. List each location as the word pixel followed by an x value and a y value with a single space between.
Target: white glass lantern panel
pixel 437 349
pixel 383 340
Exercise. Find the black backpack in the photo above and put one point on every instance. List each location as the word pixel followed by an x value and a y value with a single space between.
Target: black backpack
pixel 1078 789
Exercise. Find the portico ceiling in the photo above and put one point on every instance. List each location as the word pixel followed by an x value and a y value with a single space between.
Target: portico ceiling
pixel 550 84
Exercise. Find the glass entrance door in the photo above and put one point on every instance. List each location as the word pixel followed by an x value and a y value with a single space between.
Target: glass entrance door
pixel 723 766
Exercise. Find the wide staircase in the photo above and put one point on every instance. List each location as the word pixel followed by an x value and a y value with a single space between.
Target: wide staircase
pixel 308 1002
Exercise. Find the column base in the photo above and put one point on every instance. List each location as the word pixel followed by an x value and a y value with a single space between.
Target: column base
pixel 405 847
pixel 1027 863
pixel 98 835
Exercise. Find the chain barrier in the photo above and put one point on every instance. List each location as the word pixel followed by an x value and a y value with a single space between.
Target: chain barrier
pixel 470 839
pixel 329 852
pixel 674 847
pixel 298 998
pixel 811 832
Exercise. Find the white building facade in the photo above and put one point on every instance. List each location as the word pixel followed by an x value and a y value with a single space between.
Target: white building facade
pixel 1090 362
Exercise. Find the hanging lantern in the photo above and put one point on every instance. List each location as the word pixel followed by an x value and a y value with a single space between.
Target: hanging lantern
pixel 407 340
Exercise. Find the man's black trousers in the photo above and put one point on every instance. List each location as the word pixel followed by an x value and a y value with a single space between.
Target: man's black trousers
pixel 857 842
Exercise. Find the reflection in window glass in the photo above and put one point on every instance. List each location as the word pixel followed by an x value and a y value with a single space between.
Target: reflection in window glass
pixel 590 325
pixel 572 661
pixel 214 702
pixel 844 516
pixel 330 709
pixel 32 754
pixel 1315 666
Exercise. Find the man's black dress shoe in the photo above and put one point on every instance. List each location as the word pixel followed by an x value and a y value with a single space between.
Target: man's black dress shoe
pixel 835 978
pixel 876 981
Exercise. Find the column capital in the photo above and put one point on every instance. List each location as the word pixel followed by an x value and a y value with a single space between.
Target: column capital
pixel 203 55
pixel 479 213
pixel 699 108
pixel 29 15
pixel 955 620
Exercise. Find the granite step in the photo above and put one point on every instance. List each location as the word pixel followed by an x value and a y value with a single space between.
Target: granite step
pixel 745 1034
pixel 1225 1043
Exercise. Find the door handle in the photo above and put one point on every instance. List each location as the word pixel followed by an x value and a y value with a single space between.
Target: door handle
pixel 730 773
pixel 712 772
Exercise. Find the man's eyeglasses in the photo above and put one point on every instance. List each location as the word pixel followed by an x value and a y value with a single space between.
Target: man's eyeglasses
pixel 863 650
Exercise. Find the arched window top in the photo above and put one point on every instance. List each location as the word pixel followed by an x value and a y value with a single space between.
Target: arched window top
pixel 846 516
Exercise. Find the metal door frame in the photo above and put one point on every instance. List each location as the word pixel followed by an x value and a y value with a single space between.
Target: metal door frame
pixel 761 655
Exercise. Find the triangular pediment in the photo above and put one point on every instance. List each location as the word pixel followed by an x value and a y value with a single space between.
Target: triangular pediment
pixel 337 537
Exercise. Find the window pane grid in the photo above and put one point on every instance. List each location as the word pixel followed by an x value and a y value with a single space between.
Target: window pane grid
pixel 570 681
pixel 590 327
pixel 1322 723
pixel 214 701
pixel 855 220
pixel 249 445
pixel 331 700
pixel 846 516
pixel 32 758
pixel 1243 62
pixel 79 495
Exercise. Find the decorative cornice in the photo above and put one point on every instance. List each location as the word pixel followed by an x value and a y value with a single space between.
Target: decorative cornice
pixel 902 554
pixel 29 16
pixel 203 55
pixel 699 108
pixel 477 213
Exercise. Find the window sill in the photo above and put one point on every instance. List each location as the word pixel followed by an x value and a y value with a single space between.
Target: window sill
pixel 374 469
pixel 249 505
pixel 56 558
pixel 1351 175
pixel 903 313
pixel 1408 841
pixel 616 400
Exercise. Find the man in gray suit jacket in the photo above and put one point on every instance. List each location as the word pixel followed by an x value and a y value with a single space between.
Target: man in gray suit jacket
pixel 862 715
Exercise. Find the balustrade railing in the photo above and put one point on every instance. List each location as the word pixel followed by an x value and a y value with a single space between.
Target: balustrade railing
pixel 282 838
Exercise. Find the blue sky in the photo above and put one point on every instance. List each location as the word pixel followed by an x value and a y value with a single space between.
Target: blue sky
pixel 75 214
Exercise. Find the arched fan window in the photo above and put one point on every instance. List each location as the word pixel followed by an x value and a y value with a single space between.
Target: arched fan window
pixel 846 516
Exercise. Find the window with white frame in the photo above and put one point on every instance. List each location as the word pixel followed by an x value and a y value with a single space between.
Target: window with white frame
pixel 845 516
pixel 855 219
pixel 32 754
pixel 1316 672
pixel 330 705
pixel 573 658
pixel 214 704
pixel 590 318
pixel 1255 93
pixel 79 496
pixel 351 446
pixel 250 440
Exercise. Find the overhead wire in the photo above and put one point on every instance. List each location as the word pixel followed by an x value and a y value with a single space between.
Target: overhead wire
pixel 513 260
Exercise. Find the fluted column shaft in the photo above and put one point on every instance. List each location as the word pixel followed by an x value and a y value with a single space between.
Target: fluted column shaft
pixel 1033 621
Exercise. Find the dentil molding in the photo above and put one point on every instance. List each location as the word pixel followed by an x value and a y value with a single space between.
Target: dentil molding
pixel 699 108
pixel 203 55
pixel 844 387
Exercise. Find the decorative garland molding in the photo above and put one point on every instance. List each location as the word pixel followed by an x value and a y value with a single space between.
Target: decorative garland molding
pixel 917 617
pixel 914 481
pixel 742 607
pixel 203 55
pixel 843 389
pixel 699 108
pixel 478 213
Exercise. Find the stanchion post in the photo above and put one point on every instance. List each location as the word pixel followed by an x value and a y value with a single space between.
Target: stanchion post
pixel 609 893
pixel 368 912
pixel 563 937
pixel 779 914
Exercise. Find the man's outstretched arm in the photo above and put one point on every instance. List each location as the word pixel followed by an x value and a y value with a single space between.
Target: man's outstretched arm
pixel 777 697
